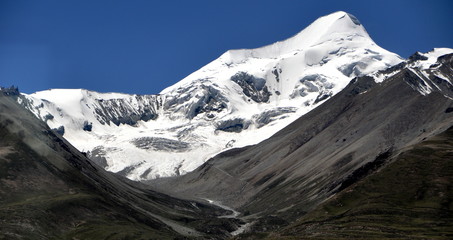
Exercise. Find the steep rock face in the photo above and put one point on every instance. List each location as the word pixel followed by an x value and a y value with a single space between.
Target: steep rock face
pixel 239 99
pixel 197 100
pixel 425 73
pixel 123 111
pixel 252 87
pixel 352 134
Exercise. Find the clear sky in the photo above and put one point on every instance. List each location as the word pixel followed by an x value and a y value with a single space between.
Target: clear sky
pixel 143 46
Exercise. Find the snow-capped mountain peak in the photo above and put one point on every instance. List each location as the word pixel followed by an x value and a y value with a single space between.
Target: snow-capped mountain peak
pixel 338 26
pixel 334 27
pixel 241 98
pixel 328 37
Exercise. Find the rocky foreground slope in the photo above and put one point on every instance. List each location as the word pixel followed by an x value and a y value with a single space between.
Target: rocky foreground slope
pixel 409 198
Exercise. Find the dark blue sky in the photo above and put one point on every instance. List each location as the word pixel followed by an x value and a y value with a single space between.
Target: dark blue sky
pixel 143 46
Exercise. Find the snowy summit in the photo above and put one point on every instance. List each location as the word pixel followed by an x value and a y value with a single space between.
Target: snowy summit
pixel 241 98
